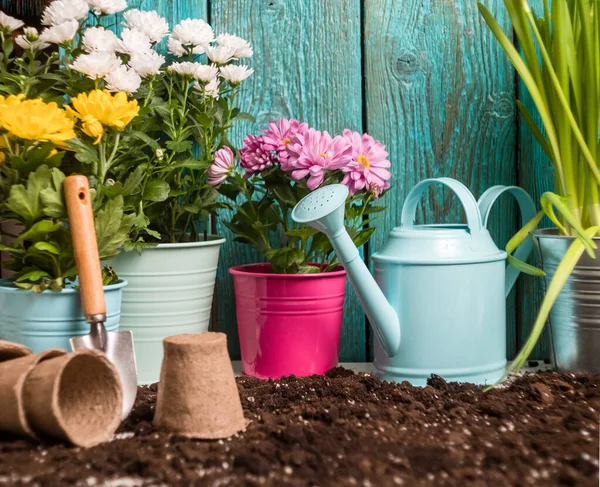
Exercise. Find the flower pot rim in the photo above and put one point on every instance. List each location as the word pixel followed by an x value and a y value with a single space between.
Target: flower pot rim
pixel 553 233
pixel 7 286
pixel 212 240
pixel 246 270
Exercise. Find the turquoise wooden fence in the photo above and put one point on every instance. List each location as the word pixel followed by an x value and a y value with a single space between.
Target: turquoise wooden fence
pixel 425 77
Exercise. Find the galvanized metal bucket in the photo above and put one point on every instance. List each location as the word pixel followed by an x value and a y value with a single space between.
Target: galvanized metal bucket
pixel 575 317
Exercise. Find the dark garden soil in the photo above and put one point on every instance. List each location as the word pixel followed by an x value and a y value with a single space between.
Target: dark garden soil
pixel 345 429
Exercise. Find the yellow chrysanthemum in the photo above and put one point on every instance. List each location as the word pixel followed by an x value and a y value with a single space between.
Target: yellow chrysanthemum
pixel 6 101
pixel 35 120
pixel 98 109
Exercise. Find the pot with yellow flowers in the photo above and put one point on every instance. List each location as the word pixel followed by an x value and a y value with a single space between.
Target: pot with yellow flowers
pixel 54 123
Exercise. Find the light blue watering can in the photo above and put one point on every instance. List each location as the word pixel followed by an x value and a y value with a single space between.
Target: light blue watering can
pixel 437 303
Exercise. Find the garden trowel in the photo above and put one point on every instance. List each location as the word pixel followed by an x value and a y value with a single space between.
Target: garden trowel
pixel 118 346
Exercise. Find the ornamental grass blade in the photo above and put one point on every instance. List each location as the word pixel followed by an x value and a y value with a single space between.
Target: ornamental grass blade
pixel 550 201
pixel 536 132
pixel 535 90
pixel 517 239
pixel 563 101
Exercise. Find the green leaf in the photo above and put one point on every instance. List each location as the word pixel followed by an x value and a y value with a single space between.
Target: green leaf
pixel 52 197
pixel 47 247
pixel 191 164
pixel 25 200
pixel 33 276
pixel 85 152
pixel 363 236
pixel 156 190
pixel 146 139
pixel 284 193
pixel 179 146
pixel 133 183
pixel 39 231
pixel 112 227
pixel 12 250
pixel 286 260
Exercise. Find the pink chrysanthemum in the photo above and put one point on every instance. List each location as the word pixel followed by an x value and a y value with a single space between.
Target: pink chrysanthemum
pixel 279 135
pixel 221 167
pixel 369 165
pixel 254 157
pixel 315 152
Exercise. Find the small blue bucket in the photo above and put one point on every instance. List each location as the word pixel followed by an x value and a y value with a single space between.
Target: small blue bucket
pixel 49 319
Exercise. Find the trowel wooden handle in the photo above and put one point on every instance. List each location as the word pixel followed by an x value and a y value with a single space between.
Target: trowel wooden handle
pixel 87 260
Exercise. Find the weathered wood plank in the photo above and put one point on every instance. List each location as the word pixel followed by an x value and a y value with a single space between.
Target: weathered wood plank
pixel 176 10
pixel 535 176
pixel 440 93
pixel 308 66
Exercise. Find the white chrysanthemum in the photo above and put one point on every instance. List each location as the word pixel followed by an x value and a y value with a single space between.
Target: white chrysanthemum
pixel 134 41
pixel 240 46
pixel 194 32
pixel 198 50
pixel 220 54
pixel 175 47
pixel 96 65
pixel 107 7
pixel 9 23
pixel 146 63
pixel 61 33
pixel 99 39
pixel 150 23
pixel 61 11
pixel 235 74
pixel 206 72
pixel 123 79
pixel 30 40
pixel 212 89
pixel 184 69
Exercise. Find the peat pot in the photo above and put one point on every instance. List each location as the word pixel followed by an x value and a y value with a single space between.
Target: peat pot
pixel 288 323
pixel 47 320
pixel 575 316
pixel 170 292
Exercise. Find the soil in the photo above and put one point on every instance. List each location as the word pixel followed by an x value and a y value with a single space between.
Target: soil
pixel 347 429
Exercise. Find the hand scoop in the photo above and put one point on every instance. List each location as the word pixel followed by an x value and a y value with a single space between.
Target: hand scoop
pixel 118 346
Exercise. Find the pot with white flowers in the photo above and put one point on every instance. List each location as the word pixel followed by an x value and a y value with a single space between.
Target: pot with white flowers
pixel 290 309
pixel 186 111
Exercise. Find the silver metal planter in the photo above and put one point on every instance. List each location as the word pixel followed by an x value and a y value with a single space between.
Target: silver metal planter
pixel 575 316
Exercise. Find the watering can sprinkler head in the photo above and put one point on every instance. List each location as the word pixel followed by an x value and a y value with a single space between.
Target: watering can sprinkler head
pixel 323 209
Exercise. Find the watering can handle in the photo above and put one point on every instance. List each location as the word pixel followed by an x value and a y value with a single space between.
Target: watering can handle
pixel 466 198
pixel 527 208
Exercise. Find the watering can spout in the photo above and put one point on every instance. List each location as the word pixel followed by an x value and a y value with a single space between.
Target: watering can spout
pixel 323 210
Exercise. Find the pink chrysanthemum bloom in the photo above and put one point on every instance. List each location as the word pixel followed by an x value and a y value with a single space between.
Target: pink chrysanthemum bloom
pixel 221 167
pixel 315 152
pixel 369 165
pixel 279 135
pixel 254 157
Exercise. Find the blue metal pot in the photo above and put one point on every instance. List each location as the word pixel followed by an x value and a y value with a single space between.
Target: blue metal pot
pixel 49 319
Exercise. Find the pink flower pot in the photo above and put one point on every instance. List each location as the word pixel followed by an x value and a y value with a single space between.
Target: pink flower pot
pixel 288 323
